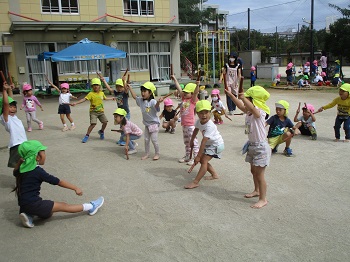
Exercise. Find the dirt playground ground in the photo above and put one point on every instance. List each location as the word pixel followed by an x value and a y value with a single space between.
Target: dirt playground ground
pixel 149 216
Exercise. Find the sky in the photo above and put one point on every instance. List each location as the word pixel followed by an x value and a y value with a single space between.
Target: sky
pixel 286 15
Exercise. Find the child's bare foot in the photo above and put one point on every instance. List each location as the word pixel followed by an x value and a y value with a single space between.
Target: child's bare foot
pixel 211 177
pixel 252 194
pixel 144 157
pixel 346 140
pixel 192 185
pixel 336 140
pixel 156 157
pixel 259 204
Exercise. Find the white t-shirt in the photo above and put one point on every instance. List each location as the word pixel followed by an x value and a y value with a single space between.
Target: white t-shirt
pixel 16 129
pixel 307 122
pixel 210 131
pixel 318 78
pixel 218 105
pixel 64 98
pixel 255 127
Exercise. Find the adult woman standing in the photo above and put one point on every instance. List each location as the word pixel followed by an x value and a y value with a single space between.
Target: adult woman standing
pixel 323 61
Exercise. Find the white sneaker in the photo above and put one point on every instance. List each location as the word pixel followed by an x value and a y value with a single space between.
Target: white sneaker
pixel 131 152
pixel 72 127
pixel 230 113
pixel 190 163
pixel 65 128
pixel 27 220
pixel 184 159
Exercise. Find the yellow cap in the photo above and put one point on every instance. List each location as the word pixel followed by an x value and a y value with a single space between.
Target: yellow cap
pixel 345 87
pixel 149 86
pixel 120 111
pixel 202 87
pixel 189 88
pixel 95 81
pixel 260 96
pixel 283 104
pixel 203 105
pixel 119 82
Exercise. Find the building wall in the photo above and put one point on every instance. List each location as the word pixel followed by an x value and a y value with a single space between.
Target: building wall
pixel 89 10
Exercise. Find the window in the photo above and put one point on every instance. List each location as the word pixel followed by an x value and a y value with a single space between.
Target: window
pixel 137 56
pixel 60 6
pixel 139 7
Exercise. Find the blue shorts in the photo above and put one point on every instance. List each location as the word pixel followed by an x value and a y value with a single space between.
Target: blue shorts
pixel 64 109
pixel 41 208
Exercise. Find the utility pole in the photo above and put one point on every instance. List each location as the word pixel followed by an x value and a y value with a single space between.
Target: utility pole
pixel 312 32
pixel 248 28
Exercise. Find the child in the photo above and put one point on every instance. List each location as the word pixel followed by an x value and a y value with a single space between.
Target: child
pixel 121 95
pixel 306 122
pixel 29 177
pixel 189 100
pixel 232 74
pixel 131 131
pixel 64 104
pixel 149 109
pixel 12 124
pixel 96 98
pixel 289 73
pixel 253 103
pixel 336 81
pixel 203 94
pixel 211 146
pixel 281 128
pixel 170 117
pixel 314 68
pixel 306 69
pixel 218 106
pixel 318 80
pixel 343 114
pixel 29 103
pixel 252 76
pixel 277 79
pixel 303 81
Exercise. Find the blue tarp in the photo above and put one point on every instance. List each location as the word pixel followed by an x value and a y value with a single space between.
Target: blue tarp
pixel 45 56
pixel 87 50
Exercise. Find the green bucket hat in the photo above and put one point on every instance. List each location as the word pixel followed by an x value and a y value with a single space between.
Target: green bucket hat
pixel 260 96
pixel 10 101
pixel 28 150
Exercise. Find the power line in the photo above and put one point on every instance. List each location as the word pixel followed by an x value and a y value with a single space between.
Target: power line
pixel 267 7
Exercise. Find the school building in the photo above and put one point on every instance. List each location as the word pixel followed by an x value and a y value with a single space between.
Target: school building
pixel 148 30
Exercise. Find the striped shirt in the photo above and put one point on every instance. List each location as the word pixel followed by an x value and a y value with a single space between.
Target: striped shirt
pixel 132 129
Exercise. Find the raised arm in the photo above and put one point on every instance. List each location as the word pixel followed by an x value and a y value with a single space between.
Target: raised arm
pixel 132 91
pixel 5 101
pixel 177 85
pixel 51 84
pixel 297 113
pixel 105 82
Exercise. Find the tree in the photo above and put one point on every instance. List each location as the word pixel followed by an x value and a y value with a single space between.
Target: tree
pixel 338 39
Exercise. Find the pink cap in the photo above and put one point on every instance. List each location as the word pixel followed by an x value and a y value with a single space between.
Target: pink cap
pixel 216 92
pixel 315 62
pixel 307 63
pixel 290 65
pixel 252 68
pixel 278 75
pixel 27 87
pixel 168 102
pixel 310 107
pixel 65 85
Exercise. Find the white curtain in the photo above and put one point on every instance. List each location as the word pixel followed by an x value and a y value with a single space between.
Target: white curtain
pixel 154 67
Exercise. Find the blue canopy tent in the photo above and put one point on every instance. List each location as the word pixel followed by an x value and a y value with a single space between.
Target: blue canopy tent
pixel 86 50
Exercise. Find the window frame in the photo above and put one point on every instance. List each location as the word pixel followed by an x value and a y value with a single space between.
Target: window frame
pixel 147 11
pixel 60 8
